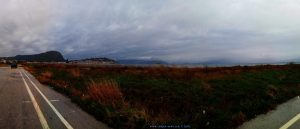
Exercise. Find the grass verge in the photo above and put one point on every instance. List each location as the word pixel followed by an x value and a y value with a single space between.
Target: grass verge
pixel 139 97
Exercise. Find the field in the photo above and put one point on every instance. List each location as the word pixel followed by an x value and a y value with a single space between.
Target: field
pixel 3 65
pixel 141 97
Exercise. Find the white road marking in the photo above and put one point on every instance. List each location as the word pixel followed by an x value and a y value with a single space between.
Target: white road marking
pixel 63 120
pixel 36 106
pixel 290 122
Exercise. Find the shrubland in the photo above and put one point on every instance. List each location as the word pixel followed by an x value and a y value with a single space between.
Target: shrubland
pixel 138 97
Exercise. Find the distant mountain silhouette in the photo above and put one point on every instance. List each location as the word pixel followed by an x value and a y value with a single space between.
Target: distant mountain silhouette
pixel 102 60
pixel 140 62
pixel 50 56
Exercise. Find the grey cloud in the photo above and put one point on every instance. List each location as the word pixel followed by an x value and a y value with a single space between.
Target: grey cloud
pixel 172 30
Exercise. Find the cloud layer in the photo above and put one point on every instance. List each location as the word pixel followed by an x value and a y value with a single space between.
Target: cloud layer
pixel 172 30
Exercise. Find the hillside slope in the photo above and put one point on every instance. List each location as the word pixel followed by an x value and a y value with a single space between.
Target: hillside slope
pixel 50 56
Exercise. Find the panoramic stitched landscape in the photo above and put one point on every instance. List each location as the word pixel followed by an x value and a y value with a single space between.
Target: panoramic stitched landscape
pixel 137 97
pixel 149 64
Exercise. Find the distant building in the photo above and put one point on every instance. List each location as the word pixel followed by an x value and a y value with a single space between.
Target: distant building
pixel 3 61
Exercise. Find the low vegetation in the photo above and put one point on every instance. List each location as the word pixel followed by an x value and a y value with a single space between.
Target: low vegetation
pixel 3 65
pixel 141 97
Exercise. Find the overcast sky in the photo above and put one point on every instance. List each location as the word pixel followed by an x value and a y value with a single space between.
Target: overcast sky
pixel 171 30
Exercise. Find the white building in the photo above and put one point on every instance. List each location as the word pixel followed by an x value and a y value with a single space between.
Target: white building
pixel 3 61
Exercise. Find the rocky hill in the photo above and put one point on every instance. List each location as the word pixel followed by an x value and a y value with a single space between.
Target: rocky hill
pixel 50 56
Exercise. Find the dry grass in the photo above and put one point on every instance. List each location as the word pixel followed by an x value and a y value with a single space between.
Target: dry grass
pixel 159 95
pixel 47 74
pixel 3 65
pixel 162 117
pixel 106 92
pixel 75 72
pixel 29 69
pixel 45 77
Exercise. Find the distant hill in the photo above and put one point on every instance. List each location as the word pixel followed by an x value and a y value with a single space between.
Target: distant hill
pixel 103 60
pixel 140 62
pixel 50 56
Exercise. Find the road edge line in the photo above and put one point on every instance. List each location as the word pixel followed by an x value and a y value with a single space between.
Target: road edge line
pixel 290 122
pixel 63 120
pixel 36 106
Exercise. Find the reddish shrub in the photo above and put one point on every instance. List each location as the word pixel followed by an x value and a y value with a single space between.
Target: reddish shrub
pixel 47 74
pixel 75 72
pixel 105 92
pixel 45 77
pixel 239 118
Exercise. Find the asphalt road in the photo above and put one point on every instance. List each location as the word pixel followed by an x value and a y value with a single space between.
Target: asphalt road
pixel 26 104
pixel 285 116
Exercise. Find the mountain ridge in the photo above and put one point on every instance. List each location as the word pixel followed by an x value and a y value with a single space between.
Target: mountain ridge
pixel 49 56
